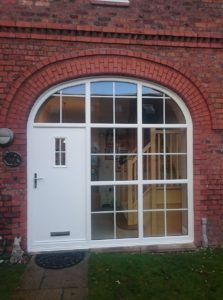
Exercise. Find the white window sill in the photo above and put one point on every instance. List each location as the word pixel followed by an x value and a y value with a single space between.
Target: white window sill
pixel 111 2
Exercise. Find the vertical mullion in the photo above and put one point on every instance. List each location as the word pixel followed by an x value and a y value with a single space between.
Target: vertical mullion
pixel 140 167
pixel 114 157
pixel 164 109
pixel 87 103
pixel 61 107
pixel 164 162
pixel 113 98
pixel 114 153
pixel 114 218
pixel 114 132
pixel 60 154
pixel 165 219
pixel 88 155
pixel 114 179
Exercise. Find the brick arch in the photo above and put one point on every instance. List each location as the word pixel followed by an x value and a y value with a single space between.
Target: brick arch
pixel 91 63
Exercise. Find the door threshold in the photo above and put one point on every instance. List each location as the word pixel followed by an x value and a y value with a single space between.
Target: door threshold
pixel 150 248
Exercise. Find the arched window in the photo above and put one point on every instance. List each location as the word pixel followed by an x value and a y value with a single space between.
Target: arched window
pixel 139 154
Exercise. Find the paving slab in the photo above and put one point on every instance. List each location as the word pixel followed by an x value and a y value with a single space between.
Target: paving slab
pixel 32 277
pixel 45 284
pixel 66 278
pixel 74 294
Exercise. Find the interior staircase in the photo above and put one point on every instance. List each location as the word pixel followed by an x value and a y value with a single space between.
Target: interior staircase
pixel 153 195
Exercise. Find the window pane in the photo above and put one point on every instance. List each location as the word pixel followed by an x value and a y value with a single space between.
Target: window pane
pixel 154 224
pixel 102 88
pixel 173 114
pixel 102 198
pixel 153 196
pixel 126 110
pixel 152 111
pixel 176 166
pixel 101 140
pixel 176 140
pixel 73 110
pixel 63 159
pixel 177 222
pixel 125 89
pixel 60 152
pixel 126 140
pixel 102 167
pixel 101 110
pixel 153 167
pixel 57 159
pixel 176 196
pixel 102 226
pixel 49 112
pixel 63 144
pixel 126 167
pixel 126 197
pixel 126 225
pixel 153 140
pixel 148 92
pixel 57 144
pixel 74 90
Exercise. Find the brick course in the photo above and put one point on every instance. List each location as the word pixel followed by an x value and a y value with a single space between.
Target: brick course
pixel 195 15
pixel 178 46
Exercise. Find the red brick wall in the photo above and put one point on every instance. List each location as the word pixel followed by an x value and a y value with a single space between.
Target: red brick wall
pixel 189 63
pixel 195 15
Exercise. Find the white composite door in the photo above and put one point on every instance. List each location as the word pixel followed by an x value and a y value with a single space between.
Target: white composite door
pixel 56 189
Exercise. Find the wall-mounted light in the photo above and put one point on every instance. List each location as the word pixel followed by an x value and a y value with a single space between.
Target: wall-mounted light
pixel 6 136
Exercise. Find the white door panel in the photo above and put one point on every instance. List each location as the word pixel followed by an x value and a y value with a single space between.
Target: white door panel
pixel 57 197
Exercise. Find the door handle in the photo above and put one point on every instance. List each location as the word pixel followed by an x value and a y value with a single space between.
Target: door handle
pixel 36 180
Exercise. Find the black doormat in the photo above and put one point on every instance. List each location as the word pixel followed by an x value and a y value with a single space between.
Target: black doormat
pixel 59 260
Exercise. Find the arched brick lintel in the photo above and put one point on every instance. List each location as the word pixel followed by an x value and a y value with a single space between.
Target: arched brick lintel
pixel 89 63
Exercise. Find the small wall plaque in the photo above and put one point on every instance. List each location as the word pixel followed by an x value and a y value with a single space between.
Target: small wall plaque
pixel 6 136
pixel 12 159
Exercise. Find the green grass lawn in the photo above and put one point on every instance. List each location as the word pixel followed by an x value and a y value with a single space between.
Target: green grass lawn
pixel 9 277
pixel 168 276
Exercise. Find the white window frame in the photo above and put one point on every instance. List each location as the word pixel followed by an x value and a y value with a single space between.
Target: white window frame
pixel 140 240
